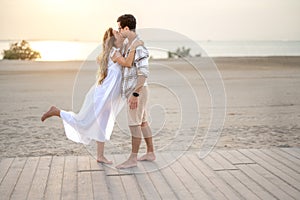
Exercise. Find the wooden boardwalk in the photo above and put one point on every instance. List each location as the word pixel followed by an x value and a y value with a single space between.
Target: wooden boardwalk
pixel 224 174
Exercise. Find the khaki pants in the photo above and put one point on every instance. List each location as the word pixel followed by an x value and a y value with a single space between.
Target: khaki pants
pixel 138 115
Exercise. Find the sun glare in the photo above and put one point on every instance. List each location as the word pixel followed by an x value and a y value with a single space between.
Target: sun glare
pixel 59 3
pixel 60 50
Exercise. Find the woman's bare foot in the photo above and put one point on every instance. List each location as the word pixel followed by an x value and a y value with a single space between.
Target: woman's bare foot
pixel 53 111
pixel 104 160
pixel 150 156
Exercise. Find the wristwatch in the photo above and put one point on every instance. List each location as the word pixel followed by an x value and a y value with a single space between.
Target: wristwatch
pixel 135 94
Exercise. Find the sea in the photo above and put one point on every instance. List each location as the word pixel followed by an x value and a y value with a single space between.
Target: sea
pixel 88 50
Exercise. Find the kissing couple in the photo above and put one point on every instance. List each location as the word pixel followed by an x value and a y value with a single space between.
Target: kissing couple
pixel 121 80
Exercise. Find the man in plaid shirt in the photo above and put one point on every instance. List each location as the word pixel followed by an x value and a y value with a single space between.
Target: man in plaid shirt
pixel 140 67
pixel 135 89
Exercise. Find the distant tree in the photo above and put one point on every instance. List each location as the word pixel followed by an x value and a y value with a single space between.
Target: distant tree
pixel 20 50
pixel 180 53
pixel 183 52
pixel 171 54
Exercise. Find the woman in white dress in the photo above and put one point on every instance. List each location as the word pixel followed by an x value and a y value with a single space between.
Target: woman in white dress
pixel 103 102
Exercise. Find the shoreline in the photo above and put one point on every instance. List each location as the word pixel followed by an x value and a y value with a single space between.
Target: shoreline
pixel 31 65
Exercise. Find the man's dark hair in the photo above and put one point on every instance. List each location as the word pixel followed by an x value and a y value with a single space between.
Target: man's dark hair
pixel 127 20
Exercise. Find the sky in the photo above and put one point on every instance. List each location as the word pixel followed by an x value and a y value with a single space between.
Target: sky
pixel 86 20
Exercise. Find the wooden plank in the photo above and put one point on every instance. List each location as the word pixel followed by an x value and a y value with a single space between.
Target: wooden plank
pixel 85 187
pixel 4 166
pixel 252 185
pixel 209 188
pixel 296 149
pixel 100 188
pixel 114 183
pixel 232 159
pixel 214 178
pixel 263 182
pixel 158 180
pixel 147 188
pixel 70 178
pixel 182 171
pixel 287 156
pixel 39 182
pixel 264 162
pixel 284 161
pixel 277 164
pixel 244 159
pixel 129 181
pixel 54 184
pixel 8 183
pixel 222 161
pixel 292 151
pixel 212 163
pixel 175 183
pixel 277 181
pixel 23 185
pixel 237 185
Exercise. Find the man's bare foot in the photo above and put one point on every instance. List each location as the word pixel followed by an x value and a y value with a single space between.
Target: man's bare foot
pixel 127 164
pixel 51 112
pixel 150 156
pixel 104 160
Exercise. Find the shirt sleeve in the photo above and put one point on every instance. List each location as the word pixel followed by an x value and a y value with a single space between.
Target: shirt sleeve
pixel 141 60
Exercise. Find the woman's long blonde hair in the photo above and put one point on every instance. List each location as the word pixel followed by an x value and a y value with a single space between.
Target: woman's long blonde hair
pixel 108 43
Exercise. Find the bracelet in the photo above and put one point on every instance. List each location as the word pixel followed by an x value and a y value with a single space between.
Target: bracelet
pixel 116 49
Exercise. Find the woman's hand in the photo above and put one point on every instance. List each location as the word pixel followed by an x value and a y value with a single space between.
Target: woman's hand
pixel 116 55
pixel 137 43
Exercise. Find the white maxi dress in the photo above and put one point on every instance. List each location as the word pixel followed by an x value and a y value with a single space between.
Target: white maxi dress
pixel 102 104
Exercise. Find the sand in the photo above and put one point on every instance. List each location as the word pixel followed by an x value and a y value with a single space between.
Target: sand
pixel 262 105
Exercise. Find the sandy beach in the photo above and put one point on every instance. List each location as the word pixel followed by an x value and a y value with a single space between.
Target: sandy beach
pixel 262 106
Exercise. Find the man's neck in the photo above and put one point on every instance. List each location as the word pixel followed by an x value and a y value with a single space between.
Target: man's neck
pixel 131 36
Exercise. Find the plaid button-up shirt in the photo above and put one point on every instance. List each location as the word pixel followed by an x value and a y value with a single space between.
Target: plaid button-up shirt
pixel 130 74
